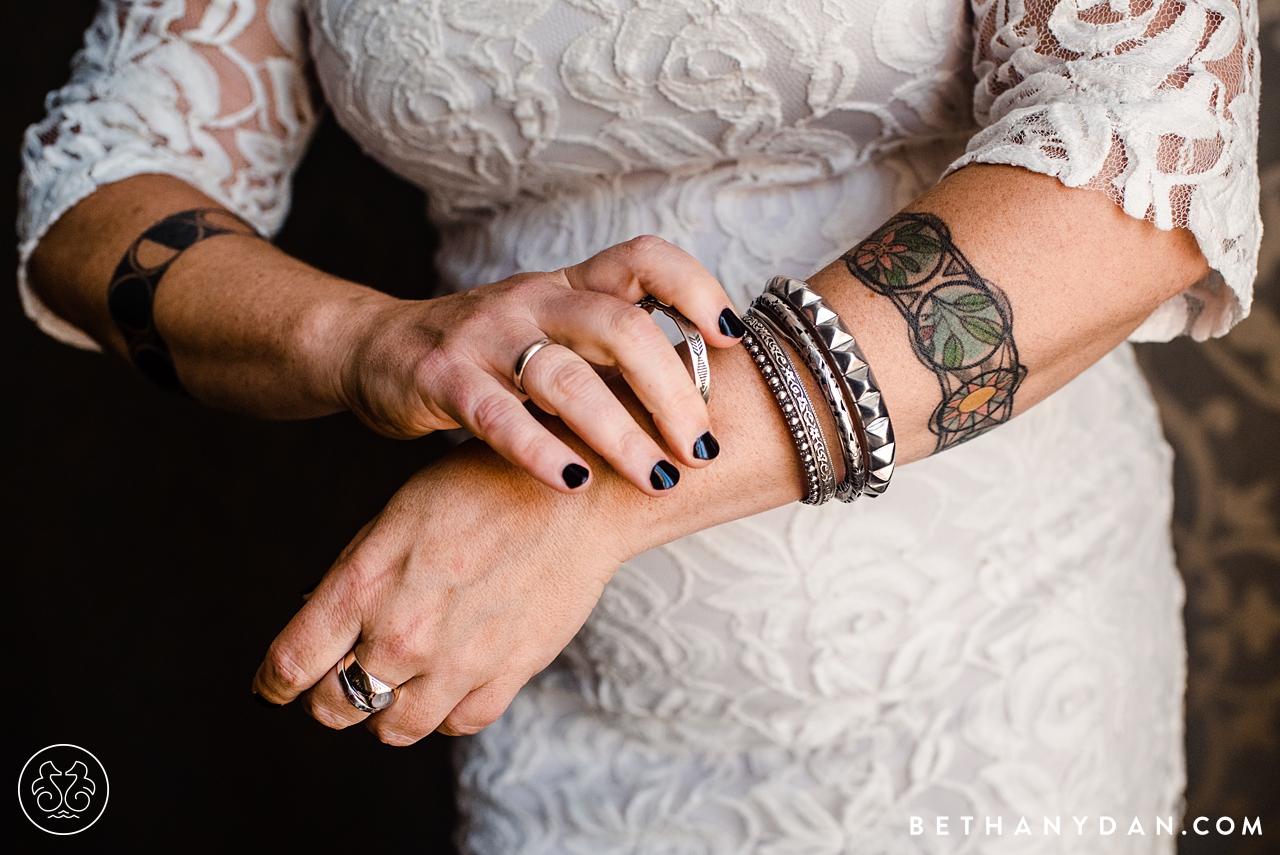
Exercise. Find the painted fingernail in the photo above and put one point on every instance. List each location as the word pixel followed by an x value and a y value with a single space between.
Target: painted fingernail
pixel 574 475
pixel 706 448
pixel 263 702
pixel 664 476
pixel 731 325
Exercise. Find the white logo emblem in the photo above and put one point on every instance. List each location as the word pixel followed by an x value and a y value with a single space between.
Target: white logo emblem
pixel 63 789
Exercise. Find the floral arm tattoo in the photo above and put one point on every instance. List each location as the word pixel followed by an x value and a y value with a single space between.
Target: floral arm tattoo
pixel 961 325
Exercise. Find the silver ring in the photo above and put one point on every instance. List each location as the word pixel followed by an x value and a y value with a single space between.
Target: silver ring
pixel 364 691
pixel 692 338
pixel 522 362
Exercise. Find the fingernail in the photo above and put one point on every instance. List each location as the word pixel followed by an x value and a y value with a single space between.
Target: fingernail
pixel 574 475
pixel 664 476
pixel 731 325
pixel 263 702
pixel 706 448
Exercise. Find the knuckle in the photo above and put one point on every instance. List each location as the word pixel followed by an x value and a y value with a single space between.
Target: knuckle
pixel 434 367
pixel 635 444
pixel 492 414
pixel 328 717
pixel 645 244
pixel 463 726
pixel 399 646
pixel 630 325
pixel 285 670
pixel 572 380
pixel 395 738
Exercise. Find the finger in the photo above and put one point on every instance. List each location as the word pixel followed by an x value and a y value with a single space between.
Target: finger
pixel 328 704
pixel 563 384
pixel 395 658
pixel 320 633
pixel 650 265
pixel 492 412
pixel 607 331
pixel 420 706
pixel 479 709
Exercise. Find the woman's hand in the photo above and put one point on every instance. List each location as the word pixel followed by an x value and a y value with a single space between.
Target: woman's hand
pixel 412 368
pixel 469 582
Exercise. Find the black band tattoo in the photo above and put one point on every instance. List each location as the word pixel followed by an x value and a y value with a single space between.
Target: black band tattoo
pixel 961 324
pixel 132 291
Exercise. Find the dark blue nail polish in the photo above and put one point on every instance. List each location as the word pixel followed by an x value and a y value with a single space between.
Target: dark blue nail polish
pixel 263 702
pixel 731 325
pixel 664 476
pixel 574 475
pixel 706 448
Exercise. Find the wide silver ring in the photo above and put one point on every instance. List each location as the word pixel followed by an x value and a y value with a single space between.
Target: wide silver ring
pixel 522 362
pixel 364 691
pixel 697 345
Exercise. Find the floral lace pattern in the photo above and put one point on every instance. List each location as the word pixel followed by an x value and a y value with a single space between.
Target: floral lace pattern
pixel 999 636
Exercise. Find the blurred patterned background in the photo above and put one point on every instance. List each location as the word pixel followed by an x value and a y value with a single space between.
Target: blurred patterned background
pixel 1220 402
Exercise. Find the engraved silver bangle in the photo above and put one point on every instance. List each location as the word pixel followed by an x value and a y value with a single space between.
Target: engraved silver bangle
pixel 787 387
pixel 855 375
pixel 698 360
pixel 848 431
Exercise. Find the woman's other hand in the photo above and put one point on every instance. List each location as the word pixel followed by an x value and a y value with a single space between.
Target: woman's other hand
pixel 412 368
pixel 468 583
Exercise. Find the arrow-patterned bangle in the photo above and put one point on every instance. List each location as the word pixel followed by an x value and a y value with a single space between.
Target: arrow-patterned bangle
pixel 699 364
pixel 857 382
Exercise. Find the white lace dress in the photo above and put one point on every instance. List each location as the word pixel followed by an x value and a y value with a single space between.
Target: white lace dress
pixel 998 637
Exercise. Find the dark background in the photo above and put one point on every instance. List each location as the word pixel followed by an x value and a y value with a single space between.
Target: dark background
pixel 153 547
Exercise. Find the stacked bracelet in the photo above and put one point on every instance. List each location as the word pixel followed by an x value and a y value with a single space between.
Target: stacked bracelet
pixel 857 382
pixel 795 331
pixel 791 311
pixel 761 342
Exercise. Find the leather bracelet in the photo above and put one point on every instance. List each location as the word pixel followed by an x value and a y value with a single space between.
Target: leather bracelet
pixel 784 381
pixel 852 372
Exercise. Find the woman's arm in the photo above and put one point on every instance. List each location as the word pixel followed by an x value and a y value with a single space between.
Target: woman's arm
pixel 181 112
pixel 251 329
pixel 473 578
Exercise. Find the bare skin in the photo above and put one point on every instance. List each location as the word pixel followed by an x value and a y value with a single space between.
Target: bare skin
pixel 475 575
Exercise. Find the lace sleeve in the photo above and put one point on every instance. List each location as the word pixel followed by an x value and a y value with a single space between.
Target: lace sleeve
pixel 1154 102
pixel 214 92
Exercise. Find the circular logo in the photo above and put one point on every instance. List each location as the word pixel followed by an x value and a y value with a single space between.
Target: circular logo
pixel 63 789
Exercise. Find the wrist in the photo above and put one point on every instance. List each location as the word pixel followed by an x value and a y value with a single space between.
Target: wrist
pixel 333 336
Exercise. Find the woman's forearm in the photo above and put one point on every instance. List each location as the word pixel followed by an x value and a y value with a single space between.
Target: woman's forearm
pixel 1064 276
pixel 249 328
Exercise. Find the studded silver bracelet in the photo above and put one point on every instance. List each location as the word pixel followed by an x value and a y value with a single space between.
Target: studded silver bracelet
pixel 787 387
pixel 852 372
pixel 793 328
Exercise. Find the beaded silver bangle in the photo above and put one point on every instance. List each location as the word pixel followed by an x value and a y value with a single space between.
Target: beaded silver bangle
pixel 779 372
pixel 852 371
pixel 793 328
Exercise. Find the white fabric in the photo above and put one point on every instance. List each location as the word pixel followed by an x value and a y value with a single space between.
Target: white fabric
pixel 998 636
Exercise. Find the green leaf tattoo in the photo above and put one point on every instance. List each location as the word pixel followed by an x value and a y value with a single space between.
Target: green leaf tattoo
pixel 961 324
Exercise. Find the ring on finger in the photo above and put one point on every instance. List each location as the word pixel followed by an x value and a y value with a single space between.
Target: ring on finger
pixel 692 338
pixel 522 362
pixel 364 691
